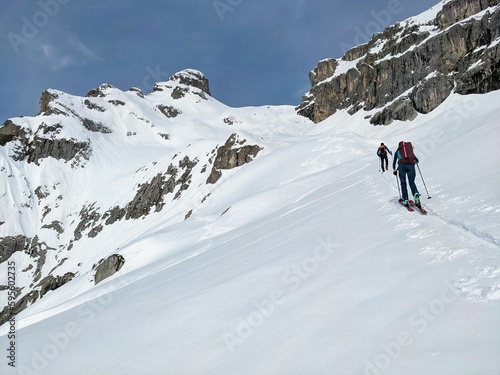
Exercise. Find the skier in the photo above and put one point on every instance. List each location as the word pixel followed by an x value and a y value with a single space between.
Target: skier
pixel 382 154
pixel 406 159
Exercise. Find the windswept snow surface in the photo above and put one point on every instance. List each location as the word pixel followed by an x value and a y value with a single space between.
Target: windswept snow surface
pixel 314 268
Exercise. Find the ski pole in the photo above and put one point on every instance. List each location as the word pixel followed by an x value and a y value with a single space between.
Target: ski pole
pixel 399 189
pixel 422 177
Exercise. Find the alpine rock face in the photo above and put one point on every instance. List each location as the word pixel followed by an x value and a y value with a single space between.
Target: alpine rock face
pixel 412 66
pixel 227 234
pixel 85 164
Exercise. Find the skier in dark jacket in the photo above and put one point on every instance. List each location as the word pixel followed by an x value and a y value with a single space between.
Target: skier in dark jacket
pixel 382 154
pixel 406 159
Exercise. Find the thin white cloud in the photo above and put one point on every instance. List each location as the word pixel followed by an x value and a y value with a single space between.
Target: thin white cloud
pixel 67 52
pixel 82 49
pixel 53 58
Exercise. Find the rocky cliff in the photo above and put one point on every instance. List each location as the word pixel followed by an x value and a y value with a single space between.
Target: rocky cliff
pixel 413 66
pixel 86 168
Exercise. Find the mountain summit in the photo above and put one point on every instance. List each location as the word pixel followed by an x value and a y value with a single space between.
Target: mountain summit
pixel 85 164
pixel 413 66
pixel 168 233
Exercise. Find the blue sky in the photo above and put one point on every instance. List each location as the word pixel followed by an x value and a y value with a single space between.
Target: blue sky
pixel 254 52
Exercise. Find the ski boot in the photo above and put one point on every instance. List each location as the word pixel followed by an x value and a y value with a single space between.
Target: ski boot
pixel 417 200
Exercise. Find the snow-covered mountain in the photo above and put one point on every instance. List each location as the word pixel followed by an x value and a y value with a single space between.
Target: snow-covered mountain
pixel 169 233
pixel 88 167
pixel 413 66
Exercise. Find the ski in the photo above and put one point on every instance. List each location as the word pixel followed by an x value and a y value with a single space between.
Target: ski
pixel 407 207
pixel 422 211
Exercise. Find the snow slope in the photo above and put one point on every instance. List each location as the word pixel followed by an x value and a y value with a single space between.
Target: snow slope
pixel 302 262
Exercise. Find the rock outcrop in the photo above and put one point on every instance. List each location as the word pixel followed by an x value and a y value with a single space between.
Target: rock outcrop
pixel 232 154
pixel 184 82
pixel 193 78
pixel 46 143
pixel 10 244
pixel 46 285
pixel 58 163
pixel 10 131
pixel 412 68
pixel 108 267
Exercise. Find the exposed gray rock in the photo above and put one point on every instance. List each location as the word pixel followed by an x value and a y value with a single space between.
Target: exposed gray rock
pixel 89 216
pixel 231 120
pixel 65 149
pixel 113 215
pixel 232 154
pixel 46 285
pixel 355 53
pixel 100 91
pixel 38 251
pixel 91 125
pixel 462 57
pixel 108 267
pixel 10 131
pixel 184 180
pixel 45 143
pixel 95 231
pixel 214 176
pixel 192 78
pixel 401 109
pixel 116 102
pixel 50 282
pixel 324 70
pixel 9 245
pixel 169 111
pixel 55 225
pixel 42 192
pixel 95 126
pixel 431 93
pixel 137 91
pixel 152 194
pixel 20 305
pixel 47 97
pixel 483 77
pixel 458 10
pixel 179 92
pixel 94 106
pixel 164 136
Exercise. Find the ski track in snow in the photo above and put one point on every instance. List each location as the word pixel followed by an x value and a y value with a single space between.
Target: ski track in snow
pixel 483 284
pixel 263 223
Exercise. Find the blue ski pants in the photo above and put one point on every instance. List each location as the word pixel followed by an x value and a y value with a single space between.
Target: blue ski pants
pixel 407 170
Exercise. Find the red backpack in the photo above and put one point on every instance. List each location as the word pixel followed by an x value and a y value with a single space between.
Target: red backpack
pixel 406 153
